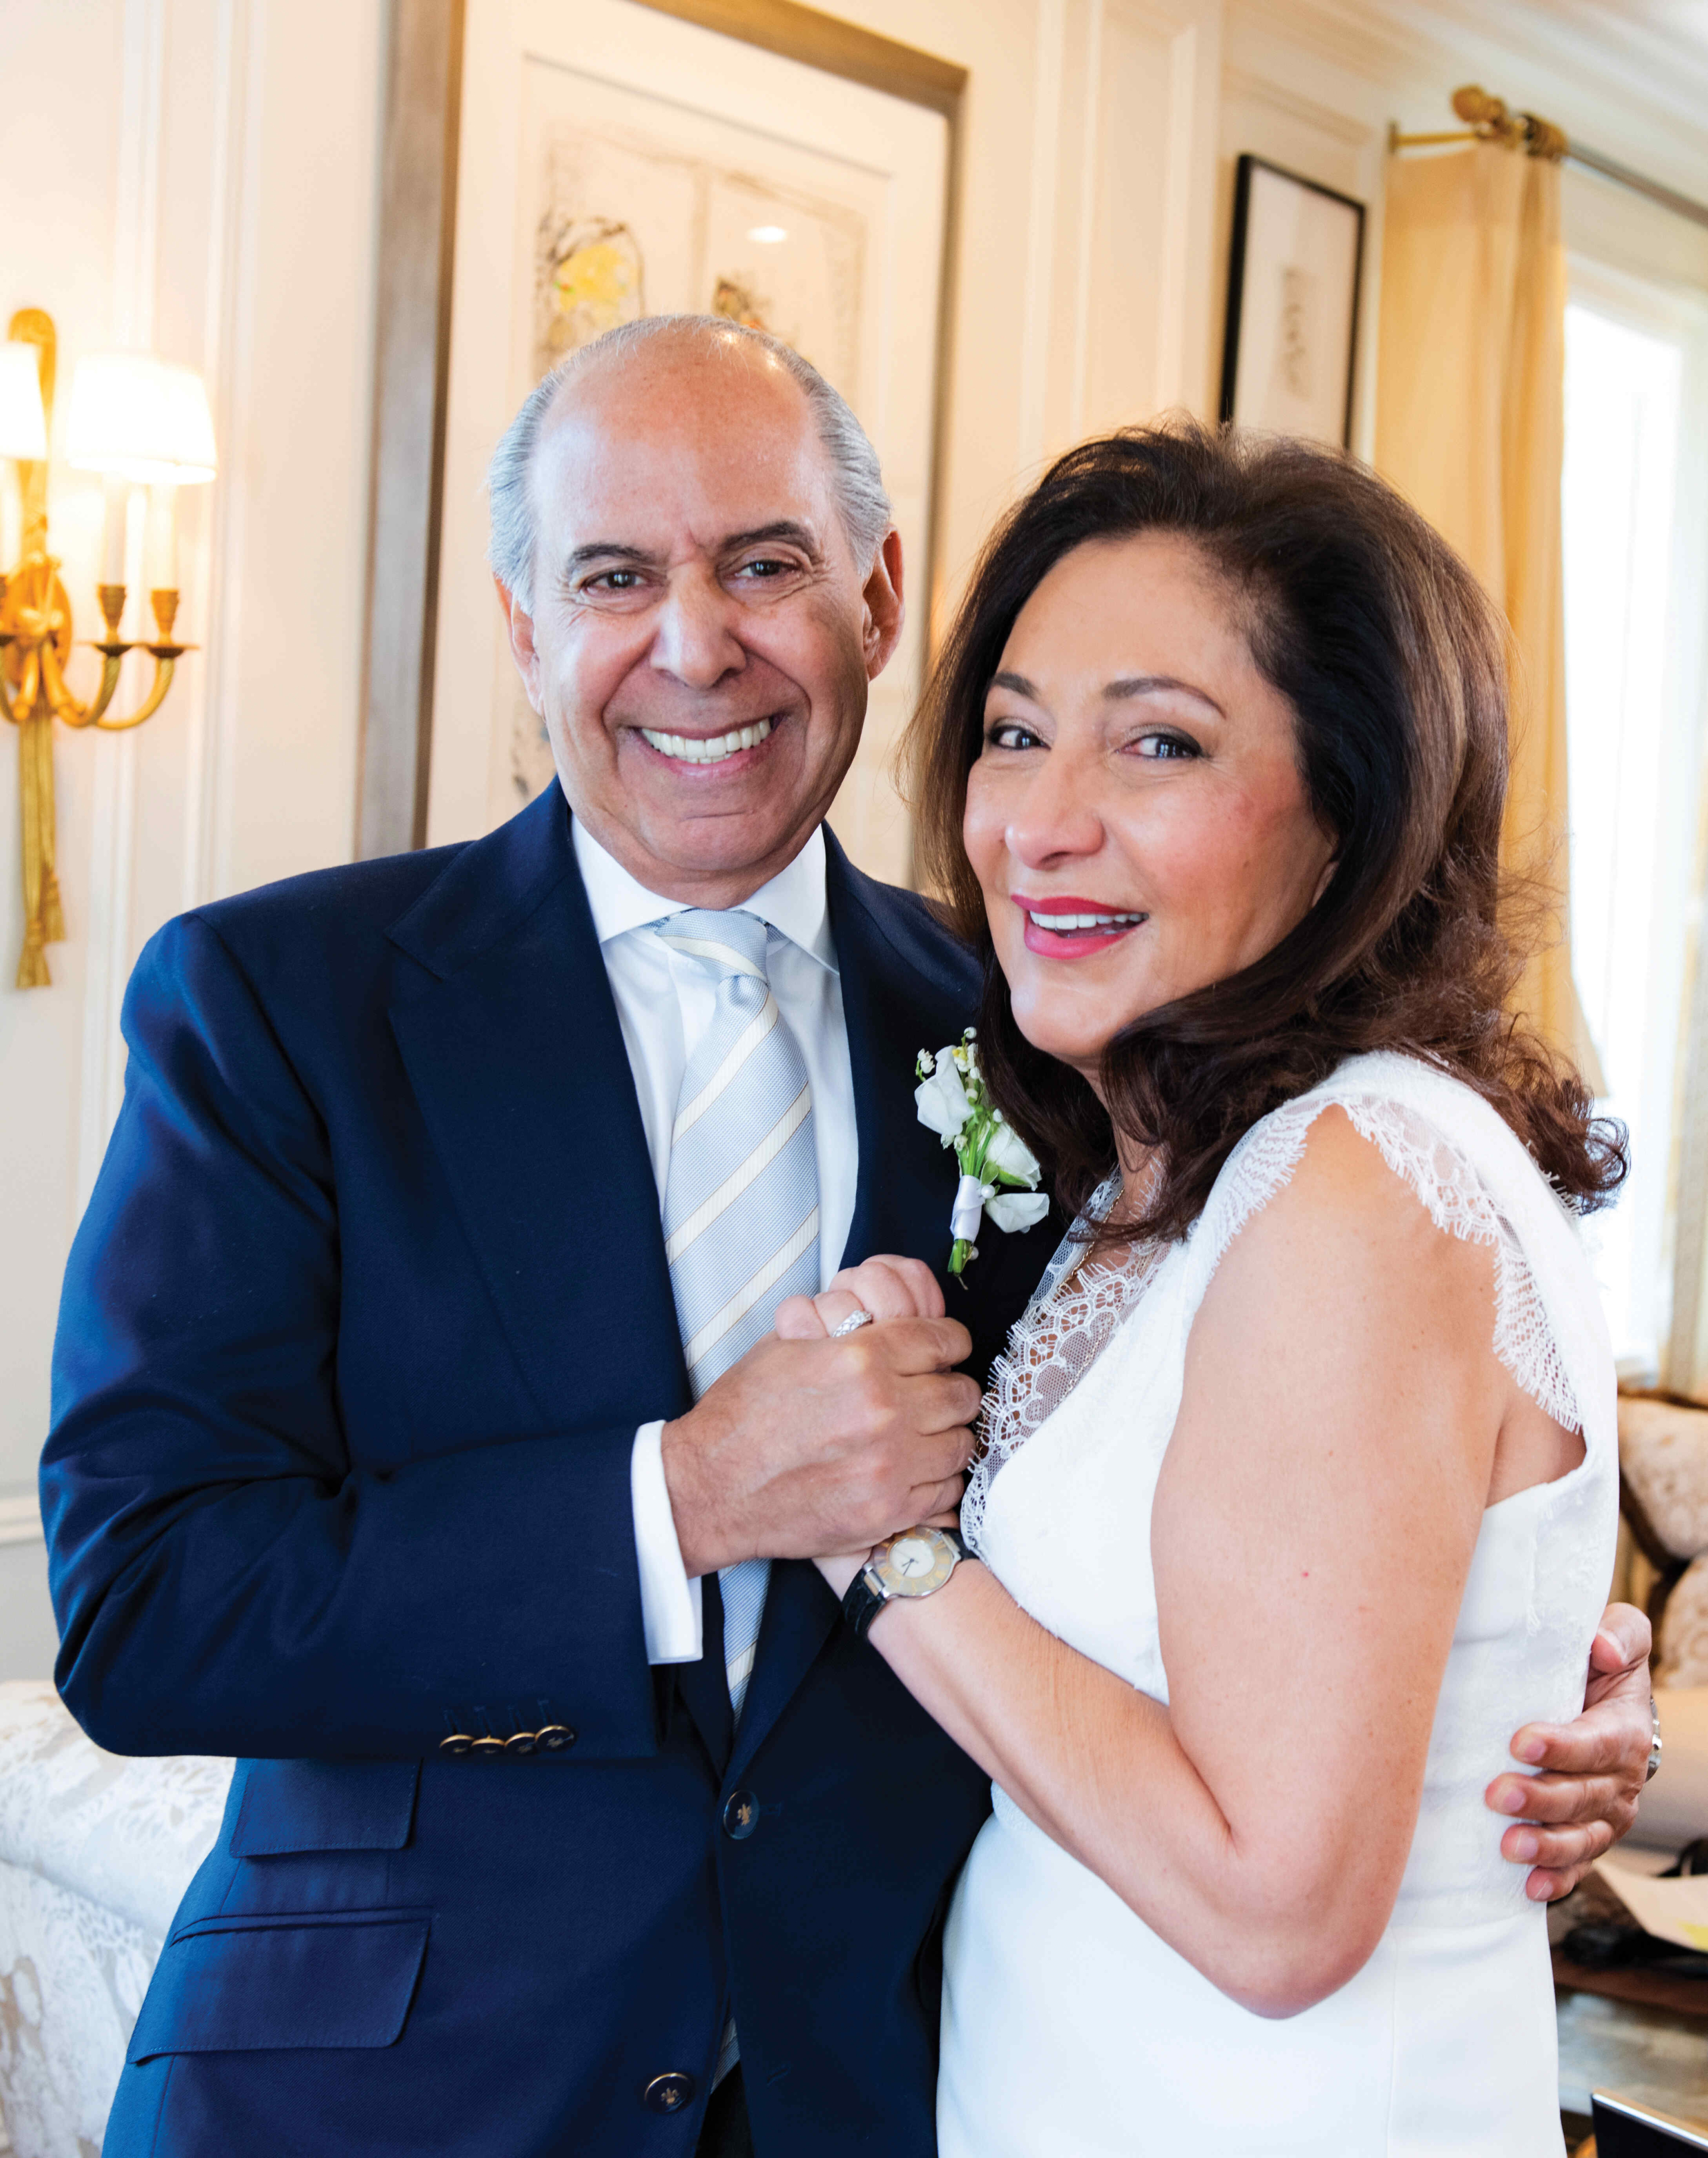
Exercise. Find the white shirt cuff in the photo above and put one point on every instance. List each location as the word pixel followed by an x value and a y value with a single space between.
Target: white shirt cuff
pixel 670 1605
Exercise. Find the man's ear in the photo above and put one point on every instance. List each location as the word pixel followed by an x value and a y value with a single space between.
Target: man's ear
pixel 519 627
pixel 885 610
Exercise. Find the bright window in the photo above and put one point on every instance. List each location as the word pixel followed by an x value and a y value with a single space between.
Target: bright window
pixel 1633 634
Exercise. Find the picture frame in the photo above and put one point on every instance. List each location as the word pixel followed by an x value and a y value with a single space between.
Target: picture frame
pixel 1295 271
pixel 421 484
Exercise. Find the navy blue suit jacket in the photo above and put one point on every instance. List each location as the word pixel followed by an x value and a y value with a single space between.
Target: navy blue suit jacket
pixel 368 1304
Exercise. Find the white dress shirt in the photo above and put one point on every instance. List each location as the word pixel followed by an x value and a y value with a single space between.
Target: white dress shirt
pixel 664 1004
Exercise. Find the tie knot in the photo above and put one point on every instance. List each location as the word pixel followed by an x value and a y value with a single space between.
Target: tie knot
pixel 732 944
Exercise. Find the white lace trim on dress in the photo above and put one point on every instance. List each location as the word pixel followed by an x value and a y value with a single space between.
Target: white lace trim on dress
pixel 1452 1192
pixel 1073 1313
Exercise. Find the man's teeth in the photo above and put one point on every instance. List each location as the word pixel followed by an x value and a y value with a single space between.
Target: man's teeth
pixel 1064 922
pixel 692 751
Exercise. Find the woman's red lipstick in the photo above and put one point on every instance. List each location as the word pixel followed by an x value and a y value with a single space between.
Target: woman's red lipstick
pixel 1107 926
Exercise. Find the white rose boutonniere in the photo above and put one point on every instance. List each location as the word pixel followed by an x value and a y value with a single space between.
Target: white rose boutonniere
pixel 999 1172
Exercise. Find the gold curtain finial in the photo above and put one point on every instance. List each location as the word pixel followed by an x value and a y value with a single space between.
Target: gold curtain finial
pixel 1488 119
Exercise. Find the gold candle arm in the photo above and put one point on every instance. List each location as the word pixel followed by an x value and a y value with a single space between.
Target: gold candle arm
pixel 165 662
pixel 61 701
pixel 164 653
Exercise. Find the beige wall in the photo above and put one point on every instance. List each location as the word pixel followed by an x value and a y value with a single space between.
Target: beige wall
pixel 198 175
pixel 201 175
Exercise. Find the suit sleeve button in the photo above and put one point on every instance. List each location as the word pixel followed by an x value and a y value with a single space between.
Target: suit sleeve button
pixel 459 1742
pixel 488 1748
pixel 555 1737
pixel 669 2092
pixel 520 1743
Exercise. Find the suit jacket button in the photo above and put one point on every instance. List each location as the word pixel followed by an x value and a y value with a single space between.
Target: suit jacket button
pixel 668 2093
pixel 488 1748
pixel 459 1742
pixel 555 1737
pixel 741 1816
pixel 520 1743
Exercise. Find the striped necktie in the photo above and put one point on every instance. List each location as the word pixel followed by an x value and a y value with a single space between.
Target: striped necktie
pixel 741 1197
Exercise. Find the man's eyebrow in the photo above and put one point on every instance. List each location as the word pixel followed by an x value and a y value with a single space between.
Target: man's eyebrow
pixel 608 550
pixel 784 528
pixel 1146 685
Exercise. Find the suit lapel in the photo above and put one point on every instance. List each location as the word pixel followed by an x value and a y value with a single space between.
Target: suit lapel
pixel 800 1614
pixel 516 1057
pixel 907 1178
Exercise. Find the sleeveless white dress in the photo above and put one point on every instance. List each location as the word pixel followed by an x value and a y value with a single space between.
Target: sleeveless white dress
pixel 1069 2030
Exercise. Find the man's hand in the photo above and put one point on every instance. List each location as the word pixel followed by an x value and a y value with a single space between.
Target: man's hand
pixel 809 1445
pixel 1591 1771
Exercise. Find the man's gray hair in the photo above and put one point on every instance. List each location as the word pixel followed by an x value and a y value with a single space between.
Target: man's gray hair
pixel 864 507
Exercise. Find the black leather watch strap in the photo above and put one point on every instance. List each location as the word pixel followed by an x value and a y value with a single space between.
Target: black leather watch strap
pixel 861 1604
pixel 862 1601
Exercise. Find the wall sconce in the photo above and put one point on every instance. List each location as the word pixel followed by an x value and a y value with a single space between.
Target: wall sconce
pixel 140 423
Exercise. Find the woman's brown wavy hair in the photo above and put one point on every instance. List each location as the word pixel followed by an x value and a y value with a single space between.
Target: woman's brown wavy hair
pixel 1395 665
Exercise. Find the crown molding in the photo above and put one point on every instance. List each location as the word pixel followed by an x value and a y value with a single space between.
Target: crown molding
pixel 1361 38
pixel 1327 119
pixel 1618 78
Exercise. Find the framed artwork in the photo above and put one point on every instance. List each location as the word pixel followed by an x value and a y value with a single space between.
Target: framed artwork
pixel 619 158
pixel 1293 273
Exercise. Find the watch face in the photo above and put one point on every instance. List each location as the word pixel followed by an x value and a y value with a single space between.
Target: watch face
pixel 915 1562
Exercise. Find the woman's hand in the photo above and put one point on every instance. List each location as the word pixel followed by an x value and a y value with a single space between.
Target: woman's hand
pixel 887 1287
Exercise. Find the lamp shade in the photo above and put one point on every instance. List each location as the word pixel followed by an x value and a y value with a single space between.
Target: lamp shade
pixel 140 418
pixel 24 432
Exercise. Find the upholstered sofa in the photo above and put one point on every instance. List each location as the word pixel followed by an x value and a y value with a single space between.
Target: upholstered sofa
pixel 95 1853
pixel 1663 1494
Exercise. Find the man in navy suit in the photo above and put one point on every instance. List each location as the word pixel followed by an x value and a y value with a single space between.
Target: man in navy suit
pixel 395 1452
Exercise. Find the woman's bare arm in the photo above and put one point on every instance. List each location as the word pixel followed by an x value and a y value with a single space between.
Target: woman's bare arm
pixel 1313 1532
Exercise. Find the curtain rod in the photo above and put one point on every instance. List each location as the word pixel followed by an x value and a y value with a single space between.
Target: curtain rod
pixel 1491 122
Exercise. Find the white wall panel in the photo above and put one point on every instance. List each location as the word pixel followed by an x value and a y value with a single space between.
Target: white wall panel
pixel 197 176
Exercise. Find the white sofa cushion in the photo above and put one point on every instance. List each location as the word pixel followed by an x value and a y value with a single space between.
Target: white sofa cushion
pixel 126 1834
pixel 95 1853
pixel 1663 1458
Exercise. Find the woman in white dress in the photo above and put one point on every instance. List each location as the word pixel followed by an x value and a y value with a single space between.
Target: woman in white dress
pixel 1298 1488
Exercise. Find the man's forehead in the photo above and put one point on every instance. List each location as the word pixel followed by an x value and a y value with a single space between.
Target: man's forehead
pixel 710 452
pixel 707 411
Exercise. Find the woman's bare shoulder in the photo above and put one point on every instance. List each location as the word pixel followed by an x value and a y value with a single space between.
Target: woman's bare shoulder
pixel 1345 1229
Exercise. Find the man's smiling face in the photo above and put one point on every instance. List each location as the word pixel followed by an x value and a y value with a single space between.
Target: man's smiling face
pixel 702 636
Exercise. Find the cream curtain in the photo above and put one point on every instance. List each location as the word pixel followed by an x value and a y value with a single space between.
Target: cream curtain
pixel 1470 411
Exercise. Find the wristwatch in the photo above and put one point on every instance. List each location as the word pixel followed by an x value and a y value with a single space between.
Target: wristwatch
pixel 912 1562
